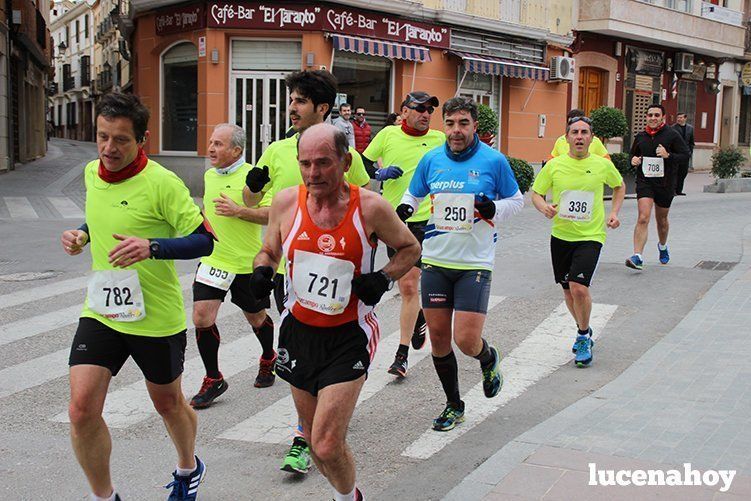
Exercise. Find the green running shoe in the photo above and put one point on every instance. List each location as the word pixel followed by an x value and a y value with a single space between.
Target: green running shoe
pixel 297 459
pixel 492 379
pixel 449 418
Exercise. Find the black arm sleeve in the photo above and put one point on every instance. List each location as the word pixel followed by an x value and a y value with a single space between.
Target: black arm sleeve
pixel 197 244
pixel 369 166
pixel 85 228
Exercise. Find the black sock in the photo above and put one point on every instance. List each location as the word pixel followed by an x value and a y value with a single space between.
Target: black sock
pixel 419 322
pixel 485 356
pixel 583 333
pixel 448 373
pixel 402 350
pixel 265 335
pixel 207 339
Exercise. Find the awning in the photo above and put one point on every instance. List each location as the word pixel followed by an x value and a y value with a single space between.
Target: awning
pixel 381 48
pixel 489 65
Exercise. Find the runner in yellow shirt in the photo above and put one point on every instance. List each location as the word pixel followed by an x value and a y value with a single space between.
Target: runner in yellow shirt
pixel 578 213
pixel 561 146
pixel 134 305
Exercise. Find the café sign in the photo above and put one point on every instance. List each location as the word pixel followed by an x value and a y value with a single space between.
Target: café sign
pixel 181 19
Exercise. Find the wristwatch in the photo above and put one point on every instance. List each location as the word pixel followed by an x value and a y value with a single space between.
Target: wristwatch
pixel 154 248
pixel 388 279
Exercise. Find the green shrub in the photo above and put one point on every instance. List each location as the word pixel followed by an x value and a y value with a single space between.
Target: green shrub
pixel 622 162
pixel 608 122
pixel 487 120
pixel 726 162
pixel 524 173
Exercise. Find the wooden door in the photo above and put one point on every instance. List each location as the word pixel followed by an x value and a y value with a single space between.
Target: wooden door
pixel 591 84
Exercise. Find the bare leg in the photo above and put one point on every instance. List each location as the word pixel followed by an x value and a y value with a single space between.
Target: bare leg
pixel 468 332
pixel 409 290
pixel 641 230
pixel 663 226
pixel 582 304
pixel 88 432
pixel 179 418
pixel 439 329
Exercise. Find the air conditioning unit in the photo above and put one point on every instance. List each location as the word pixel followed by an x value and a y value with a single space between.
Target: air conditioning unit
pixel 684 62
pixel 562 68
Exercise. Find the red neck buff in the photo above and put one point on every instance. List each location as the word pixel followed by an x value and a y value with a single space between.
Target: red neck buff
pixel 136 166
pixel 413 132
pixel 654 131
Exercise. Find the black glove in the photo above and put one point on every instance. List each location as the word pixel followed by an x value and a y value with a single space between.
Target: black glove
pixel 262 282
pixel 486 207
pixel 371 286
pixel 257 178
pixel 404 211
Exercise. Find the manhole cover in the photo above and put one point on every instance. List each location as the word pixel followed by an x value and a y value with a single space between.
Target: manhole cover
pixel 715 265
pixel 28 276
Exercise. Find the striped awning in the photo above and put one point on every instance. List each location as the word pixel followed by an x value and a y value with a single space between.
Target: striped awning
pixel 489 65
pixel 381 48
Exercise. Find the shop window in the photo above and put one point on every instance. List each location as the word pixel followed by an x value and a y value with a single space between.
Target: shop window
pixel 687 100
pixel 180 98
pixel 744 123
pixel 366 81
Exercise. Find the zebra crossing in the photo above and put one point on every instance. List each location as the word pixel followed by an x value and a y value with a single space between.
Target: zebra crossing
pixel 39 207
pixel 545 349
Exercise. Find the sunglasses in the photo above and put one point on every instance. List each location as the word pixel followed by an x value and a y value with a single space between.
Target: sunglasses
pixel 360 114
pixel 586 120
pixel 421 108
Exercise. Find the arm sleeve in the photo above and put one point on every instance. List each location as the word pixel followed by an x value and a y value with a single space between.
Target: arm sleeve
pixel 199 243
pixel 411 200
pixel 85 228
pixel 370 167
pixel 508 206
pixel 357 173
pixel 373 151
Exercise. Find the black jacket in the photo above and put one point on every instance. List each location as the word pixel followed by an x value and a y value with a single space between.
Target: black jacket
pixel 646 146
pixel 687 134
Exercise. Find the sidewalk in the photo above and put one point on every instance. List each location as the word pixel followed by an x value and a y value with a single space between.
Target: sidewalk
pixel 686 400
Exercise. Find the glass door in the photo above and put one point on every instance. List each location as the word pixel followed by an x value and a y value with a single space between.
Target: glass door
pixel 261 109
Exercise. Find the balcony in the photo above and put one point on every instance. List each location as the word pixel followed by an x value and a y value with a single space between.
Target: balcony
pixel 664 22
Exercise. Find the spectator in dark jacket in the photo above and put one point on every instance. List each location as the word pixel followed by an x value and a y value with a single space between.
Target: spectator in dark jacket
pixel 362 130
pixel 686 132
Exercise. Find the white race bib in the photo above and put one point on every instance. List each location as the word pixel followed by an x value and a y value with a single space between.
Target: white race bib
pixel 214 277
pixel 454 212
pixel 653 166
pixel 116 295
pixel 576 205
pixel 322 283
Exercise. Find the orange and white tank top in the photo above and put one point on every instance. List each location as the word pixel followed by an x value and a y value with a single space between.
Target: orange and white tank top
pixel 322 263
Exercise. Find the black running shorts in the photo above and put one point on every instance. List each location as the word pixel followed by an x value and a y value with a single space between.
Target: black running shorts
pixel 241 295
pixel 662 195
pixel 311 358
pixel 418 230
pixel 461 290
pixel 574 261
pixel 159 358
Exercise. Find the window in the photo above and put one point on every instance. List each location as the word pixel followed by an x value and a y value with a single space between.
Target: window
pixel 687 100
pixel 366 81
pixel 180 98
pixel 78 31
pixel 85 71
pixel 744 124
pixel 67 35
pixel 86 27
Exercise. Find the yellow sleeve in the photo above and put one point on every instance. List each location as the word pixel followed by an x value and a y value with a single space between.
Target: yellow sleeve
pixel 597 148
pixel 357 173
pixel 559 148
pixel 613 178
pixel 544 180
pixel 374 150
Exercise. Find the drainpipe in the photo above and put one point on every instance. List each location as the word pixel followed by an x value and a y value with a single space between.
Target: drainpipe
pixel 8 42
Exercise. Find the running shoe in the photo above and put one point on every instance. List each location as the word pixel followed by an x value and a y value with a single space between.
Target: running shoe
pixel 635 262
pixel 583 347
pixel 449 418
pixel 492 379
pixel 266 374
pixel 297 459
pixel 210 389
pixel 184 487
pixel 418 336
pixel 589 333
pixel 399 367
pixel 664 255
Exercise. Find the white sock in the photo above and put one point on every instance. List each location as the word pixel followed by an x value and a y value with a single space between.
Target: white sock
pixel 639 256
pixel 662 247
pixel 184 472
pixel 344 497
pixel 94 497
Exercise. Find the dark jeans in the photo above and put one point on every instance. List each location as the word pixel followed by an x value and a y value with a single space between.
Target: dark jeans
pixel 680 177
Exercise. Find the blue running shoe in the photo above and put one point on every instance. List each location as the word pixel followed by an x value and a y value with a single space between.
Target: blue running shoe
pixel 185 488
pixel 449 418
pixel 583 347
pixel 573 348
pixel 635 262
pixel 664 255
pixel 492 379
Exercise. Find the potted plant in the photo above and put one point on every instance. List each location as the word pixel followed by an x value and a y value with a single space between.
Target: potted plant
pixel 608 122
pixel 487 124
pixel 726 162
pixel 523 172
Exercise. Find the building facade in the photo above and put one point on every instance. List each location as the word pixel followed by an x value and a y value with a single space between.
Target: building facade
pixel 24 71
pixel 210 62
pixel 680 53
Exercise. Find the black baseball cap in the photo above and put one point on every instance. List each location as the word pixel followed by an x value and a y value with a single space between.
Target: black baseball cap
pixel 420 97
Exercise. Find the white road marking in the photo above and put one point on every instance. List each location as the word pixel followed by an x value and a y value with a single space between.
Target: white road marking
pixel 42 292
pixel 275 423
pixel 20 207
pixel 38 324
pixel 66 207
pixel 541 353
pixel 33 372
pixel 131 404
